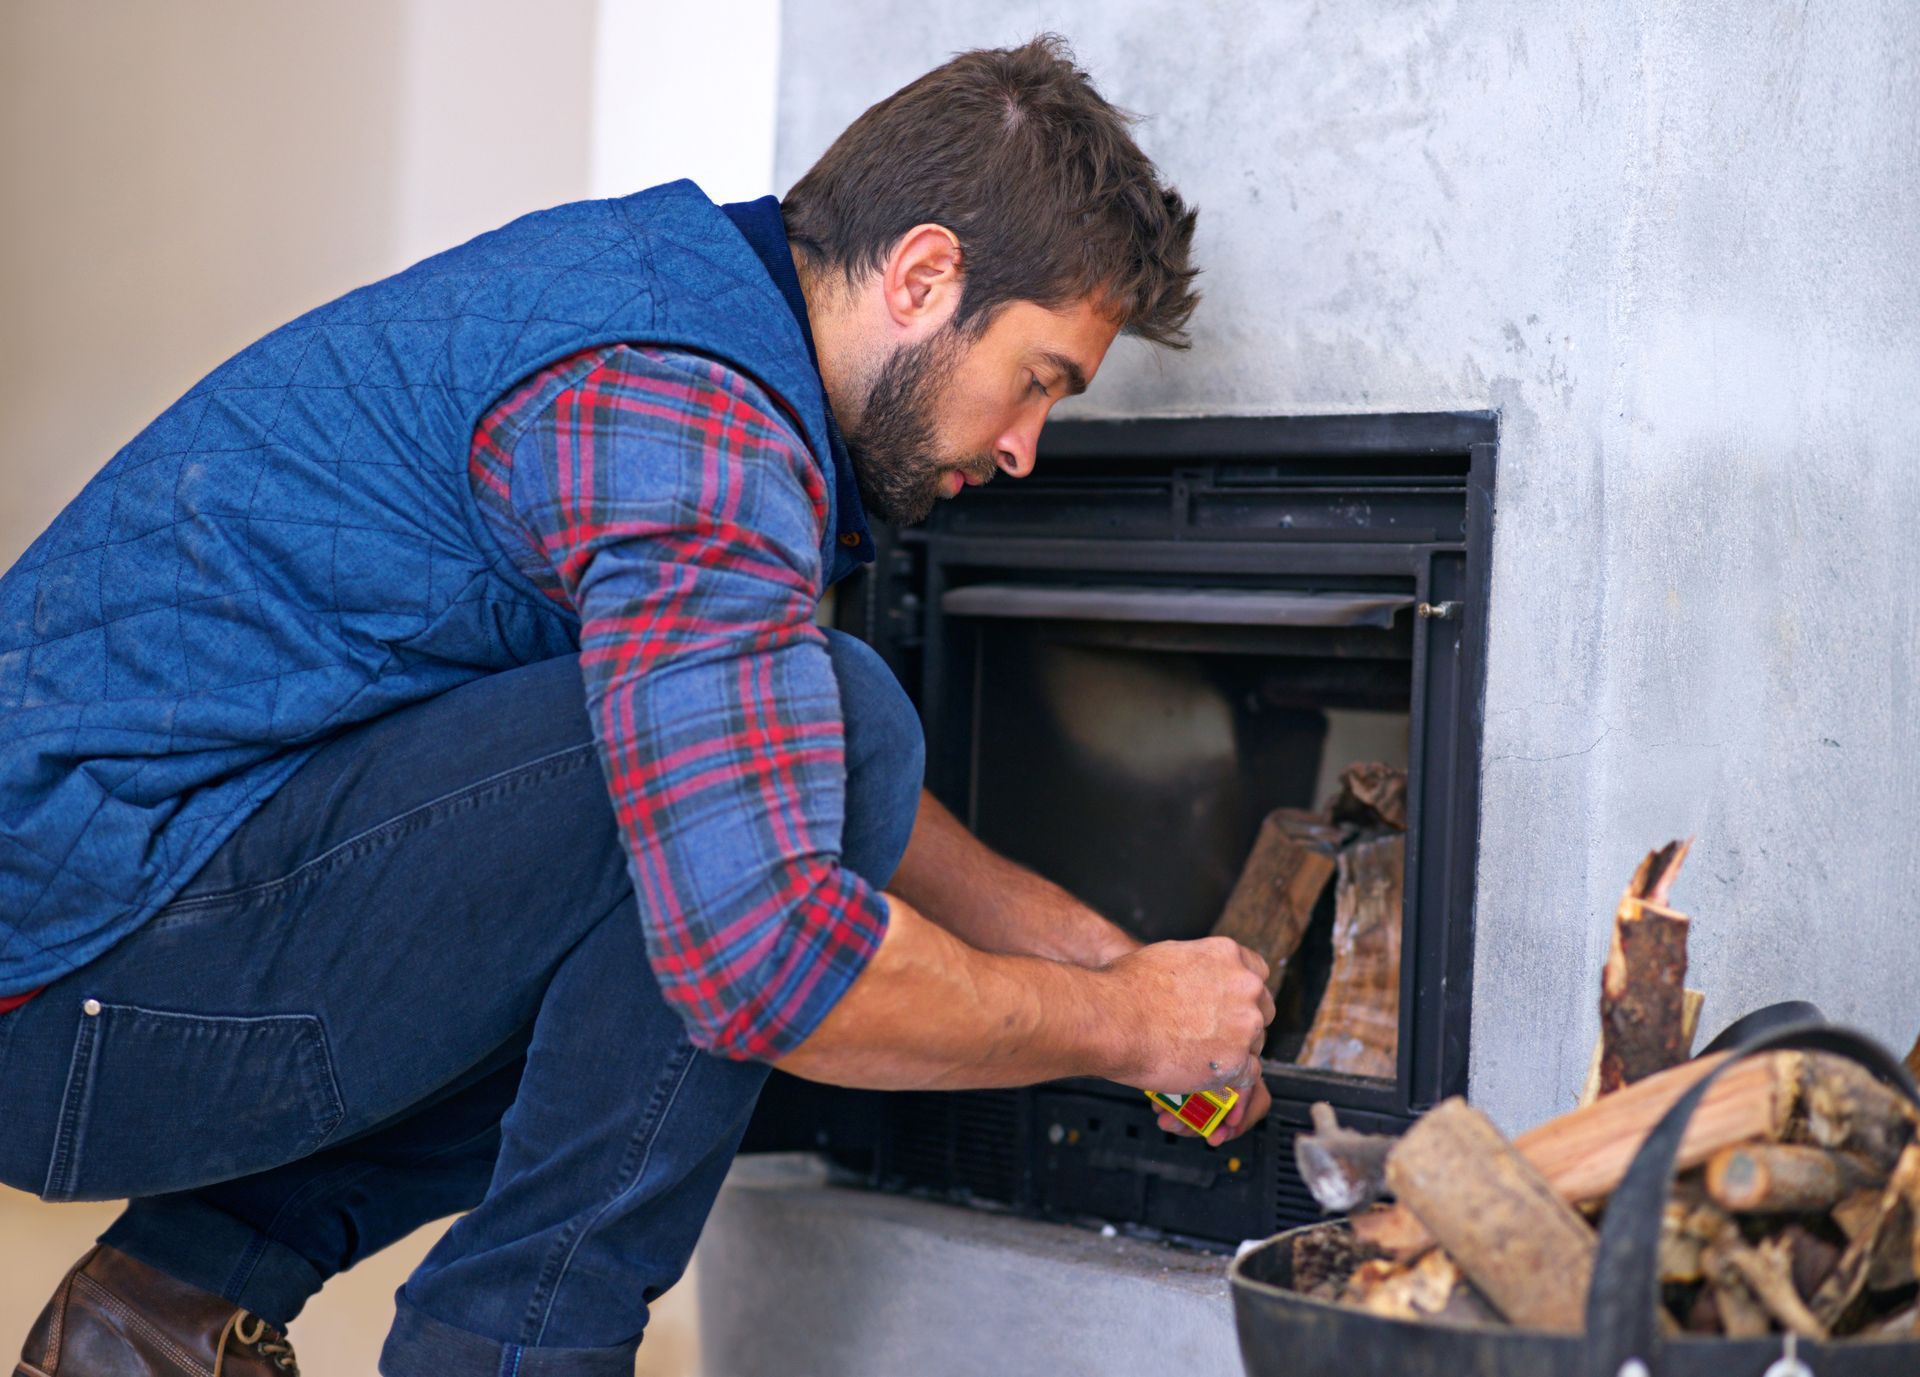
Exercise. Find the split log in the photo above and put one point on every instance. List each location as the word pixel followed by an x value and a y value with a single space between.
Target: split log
pixel 1518 1242
pixel 1767 1270
pixel 1783 1178
pixel 1431 1289
pixel 1892 1263
pixel 1883 1228
pixel 1273 901
pixel 1844 1107
pixel 1393 1230
pixel 1372 795
pixel 1343 1169
pixel 1691 1003
pixel 1641 987
pixel 1584 1154
pixel 1741 1315
pixel 1813 1258
pixel 1687 1226
pixel 1357 1027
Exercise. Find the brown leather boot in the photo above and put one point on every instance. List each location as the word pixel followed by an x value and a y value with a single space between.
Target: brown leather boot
pixel 115 1317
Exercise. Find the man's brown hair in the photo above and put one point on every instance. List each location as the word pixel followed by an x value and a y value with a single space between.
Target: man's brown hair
pixel 1037 176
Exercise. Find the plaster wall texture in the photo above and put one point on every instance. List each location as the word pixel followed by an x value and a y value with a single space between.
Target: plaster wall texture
pixel 1676 247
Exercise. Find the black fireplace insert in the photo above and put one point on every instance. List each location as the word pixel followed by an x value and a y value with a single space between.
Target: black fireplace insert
pixel 1124 663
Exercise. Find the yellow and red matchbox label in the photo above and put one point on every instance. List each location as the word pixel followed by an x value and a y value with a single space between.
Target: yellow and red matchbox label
pixel 1201 1112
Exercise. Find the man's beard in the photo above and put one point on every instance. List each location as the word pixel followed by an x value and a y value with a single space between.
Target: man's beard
pixel 894 459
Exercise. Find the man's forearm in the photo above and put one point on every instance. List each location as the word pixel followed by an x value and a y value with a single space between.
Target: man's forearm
pixel 991 903
pixel 931 1012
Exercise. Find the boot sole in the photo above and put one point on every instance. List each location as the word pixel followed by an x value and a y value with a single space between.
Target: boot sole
pixel 28 1370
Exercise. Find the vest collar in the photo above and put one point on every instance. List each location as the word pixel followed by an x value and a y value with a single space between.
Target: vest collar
pixel 760 224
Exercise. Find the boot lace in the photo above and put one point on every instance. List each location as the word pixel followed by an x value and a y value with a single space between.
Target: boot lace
pixel 252 1332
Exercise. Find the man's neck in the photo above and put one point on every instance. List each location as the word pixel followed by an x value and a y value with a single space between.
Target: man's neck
pixel 831 318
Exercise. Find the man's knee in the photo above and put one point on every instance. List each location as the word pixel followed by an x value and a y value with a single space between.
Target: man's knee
pixel 886 759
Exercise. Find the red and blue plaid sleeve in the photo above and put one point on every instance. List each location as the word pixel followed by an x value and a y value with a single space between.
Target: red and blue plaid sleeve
pixel 665 499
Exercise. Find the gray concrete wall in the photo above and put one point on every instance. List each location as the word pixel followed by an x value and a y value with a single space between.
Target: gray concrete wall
pixel 1675 245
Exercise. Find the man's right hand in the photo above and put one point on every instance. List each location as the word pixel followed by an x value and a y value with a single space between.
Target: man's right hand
pixel 1198 1012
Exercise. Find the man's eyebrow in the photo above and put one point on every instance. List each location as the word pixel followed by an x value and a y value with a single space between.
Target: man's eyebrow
pixel 1066 368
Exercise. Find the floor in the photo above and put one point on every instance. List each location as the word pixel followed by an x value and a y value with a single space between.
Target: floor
pixel 339 1333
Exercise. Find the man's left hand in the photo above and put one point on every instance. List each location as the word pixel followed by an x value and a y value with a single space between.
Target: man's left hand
pixel 1251 1108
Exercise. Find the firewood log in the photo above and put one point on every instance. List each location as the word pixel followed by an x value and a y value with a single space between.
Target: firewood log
pixel 1357 1026
pixel 1691 1003
pixel 1393 1230
pixel 1430 1289
pixel 1687 1225
pixel 1889 1224
pixel 1518 1242
pixel 1767 1270
pixel 1783 1178
pixel 1642 1001
pixel 1741 1314
pixel 1372 795
pixel 1273 901
pixel 1843 1106
pixel 1813 1257
pixel 1584 1153
pixel 1894 1261
pixel 1343 1169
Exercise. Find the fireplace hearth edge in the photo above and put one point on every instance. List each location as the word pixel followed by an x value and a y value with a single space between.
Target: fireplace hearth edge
pixel 1393 508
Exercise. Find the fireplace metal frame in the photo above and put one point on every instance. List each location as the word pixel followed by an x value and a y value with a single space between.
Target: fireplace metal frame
pixel 1403 501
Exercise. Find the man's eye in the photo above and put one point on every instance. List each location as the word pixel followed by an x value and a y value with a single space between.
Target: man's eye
pixel 1036 385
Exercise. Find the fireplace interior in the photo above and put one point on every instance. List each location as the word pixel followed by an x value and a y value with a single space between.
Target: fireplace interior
pixel 1125 663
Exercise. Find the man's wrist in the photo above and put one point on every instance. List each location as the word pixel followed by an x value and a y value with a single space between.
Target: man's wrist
pixel 1112 1030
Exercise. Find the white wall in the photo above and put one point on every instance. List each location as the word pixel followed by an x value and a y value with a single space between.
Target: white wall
pixel 1676 247
pixel 685 91
pixel 181 178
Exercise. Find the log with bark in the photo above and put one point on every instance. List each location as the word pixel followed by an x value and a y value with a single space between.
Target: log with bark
pixel 1357 1026
pixel 1585 1153
pixel 1273 901
pixel 1642 999
pixel 1514 1238
pixel 1372 796
pixel 1783 1178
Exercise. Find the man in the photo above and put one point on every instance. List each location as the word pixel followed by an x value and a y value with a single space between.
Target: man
pixel 424 788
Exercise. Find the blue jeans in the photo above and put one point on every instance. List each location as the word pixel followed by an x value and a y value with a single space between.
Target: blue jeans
pixel 413 983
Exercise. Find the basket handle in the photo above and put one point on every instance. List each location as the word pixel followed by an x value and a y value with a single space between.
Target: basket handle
pixel 1624 1297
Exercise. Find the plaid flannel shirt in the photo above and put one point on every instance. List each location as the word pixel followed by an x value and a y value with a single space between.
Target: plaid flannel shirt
pixel 667 503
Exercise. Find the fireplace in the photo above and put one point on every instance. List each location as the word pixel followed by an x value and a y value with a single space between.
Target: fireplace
pixel 1124 663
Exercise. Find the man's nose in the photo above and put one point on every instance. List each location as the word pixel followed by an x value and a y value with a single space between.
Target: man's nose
pixel 1015 453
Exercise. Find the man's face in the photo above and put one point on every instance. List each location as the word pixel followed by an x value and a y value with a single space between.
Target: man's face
pixel 951 410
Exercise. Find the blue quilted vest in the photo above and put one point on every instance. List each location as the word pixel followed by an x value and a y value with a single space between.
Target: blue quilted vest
pixel 292 548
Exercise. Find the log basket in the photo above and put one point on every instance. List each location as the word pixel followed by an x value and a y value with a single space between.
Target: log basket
pixel 1285 1334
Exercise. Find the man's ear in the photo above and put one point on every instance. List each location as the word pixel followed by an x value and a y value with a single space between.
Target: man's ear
pixel 920 280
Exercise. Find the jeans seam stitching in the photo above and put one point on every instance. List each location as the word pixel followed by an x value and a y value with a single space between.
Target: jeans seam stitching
pixel 70 1131
pixel 400 824
pixel 642 1142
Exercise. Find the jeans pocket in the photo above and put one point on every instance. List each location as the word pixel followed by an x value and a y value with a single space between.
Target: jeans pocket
pixel 159 1101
